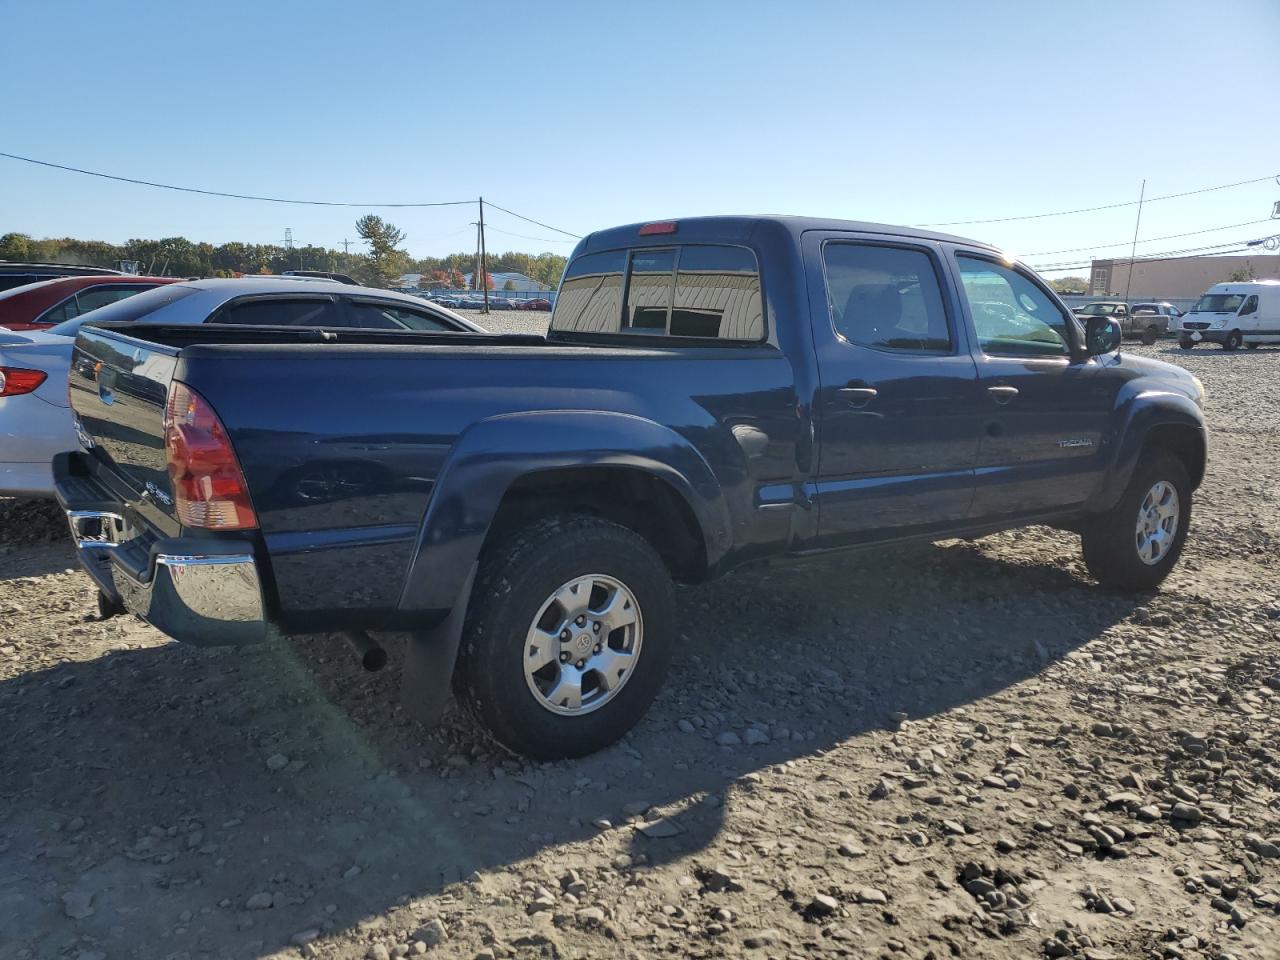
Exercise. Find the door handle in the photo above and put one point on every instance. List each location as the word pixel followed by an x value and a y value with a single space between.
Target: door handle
pixel 1002 395
pixel 858 396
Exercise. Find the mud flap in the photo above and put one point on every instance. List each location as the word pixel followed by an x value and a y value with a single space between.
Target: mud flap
pixel 429 660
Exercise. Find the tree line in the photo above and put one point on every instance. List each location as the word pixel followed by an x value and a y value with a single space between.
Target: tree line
pixel 381 266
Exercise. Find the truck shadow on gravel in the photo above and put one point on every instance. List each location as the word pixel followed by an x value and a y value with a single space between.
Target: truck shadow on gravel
pixel 176 800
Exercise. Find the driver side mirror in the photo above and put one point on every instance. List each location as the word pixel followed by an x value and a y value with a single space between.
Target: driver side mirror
pixel 1102 335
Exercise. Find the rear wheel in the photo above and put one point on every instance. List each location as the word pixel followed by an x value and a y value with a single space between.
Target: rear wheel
pixel 1134 545
pixel 567 637
pixel 1149 336
pixel 1234 339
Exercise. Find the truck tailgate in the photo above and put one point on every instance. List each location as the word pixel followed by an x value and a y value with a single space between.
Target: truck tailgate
pixel 118 388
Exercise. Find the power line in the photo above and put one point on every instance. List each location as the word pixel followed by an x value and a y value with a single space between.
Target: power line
pixel 1107 206
pixel 1212 250
pixel 546 226
pixel 233 196
pixel 492 229
pixel 1171 236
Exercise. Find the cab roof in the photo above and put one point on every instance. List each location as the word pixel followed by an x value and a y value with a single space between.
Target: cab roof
pixel 739 229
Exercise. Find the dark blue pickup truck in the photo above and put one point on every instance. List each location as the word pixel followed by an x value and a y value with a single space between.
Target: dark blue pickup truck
pixel 712 391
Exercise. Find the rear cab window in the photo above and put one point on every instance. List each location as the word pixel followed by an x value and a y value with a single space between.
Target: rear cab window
pixel 697 291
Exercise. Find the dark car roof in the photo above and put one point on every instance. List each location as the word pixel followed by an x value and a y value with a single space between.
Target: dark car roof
pixel 739 229
pixel 67 269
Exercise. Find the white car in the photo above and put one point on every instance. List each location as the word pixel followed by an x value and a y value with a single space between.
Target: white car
pixel 35 422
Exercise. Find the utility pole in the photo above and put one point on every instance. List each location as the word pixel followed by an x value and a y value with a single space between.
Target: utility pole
pixel 346 246
pixel 475 266
pixel 1133 249
pixel 484 262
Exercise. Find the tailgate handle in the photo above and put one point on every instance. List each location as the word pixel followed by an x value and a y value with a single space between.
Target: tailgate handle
pixel 105 393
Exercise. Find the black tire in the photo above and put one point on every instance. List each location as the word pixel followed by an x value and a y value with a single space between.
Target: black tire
pixel 1252 346
pixel 1234 339
pixel 516 578
pixel 1149 336
pixel 1187 344
pixel 1109 541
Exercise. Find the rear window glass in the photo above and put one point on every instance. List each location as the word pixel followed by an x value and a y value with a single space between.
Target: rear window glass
pixel 590 298
pixel 696 290
pixel 649 291
pixel 717 294
pixel 127 310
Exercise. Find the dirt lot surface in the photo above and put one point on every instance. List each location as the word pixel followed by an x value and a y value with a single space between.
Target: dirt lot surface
pixel 963 750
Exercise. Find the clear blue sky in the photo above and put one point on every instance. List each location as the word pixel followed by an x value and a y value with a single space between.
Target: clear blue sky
pixel 586 115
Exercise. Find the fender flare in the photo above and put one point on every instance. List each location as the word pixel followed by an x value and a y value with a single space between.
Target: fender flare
pixel 1139 412
pixel 492 454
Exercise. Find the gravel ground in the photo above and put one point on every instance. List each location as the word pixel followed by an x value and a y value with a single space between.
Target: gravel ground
pixel 963 750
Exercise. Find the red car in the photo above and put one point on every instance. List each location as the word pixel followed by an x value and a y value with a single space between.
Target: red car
pixel 37 306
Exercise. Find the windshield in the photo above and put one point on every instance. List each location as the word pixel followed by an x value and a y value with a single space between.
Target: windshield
pixel 1098 309
pixel 1219 303
pixel 131 308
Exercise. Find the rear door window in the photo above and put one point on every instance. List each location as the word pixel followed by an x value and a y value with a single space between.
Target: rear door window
pixel 280 311
pixel 370 315
pixel 886 297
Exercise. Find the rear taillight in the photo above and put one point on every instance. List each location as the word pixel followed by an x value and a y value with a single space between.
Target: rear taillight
pixel 14 381
pixel 208 486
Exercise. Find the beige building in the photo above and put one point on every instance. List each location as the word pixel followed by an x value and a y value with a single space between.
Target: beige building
pixel 1177 278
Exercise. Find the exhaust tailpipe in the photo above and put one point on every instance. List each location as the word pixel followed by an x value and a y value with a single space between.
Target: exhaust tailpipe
pixel 372 657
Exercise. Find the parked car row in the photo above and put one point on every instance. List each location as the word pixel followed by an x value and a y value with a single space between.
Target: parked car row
pixel 475 301
pixel 1147 322
pixel 35 352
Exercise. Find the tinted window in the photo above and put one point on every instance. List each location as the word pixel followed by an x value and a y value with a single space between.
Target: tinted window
pixel 717 294
pixel 388 316
pixel 649 291
pixel 10 280
pixel 86 300
pixel 590 298
pixel 282 312
pixel 129 309
pixel 1012 316
pixel 886 297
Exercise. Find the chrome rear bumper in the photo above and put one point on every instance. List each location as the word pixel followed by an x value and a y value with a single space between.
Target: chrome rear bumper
pixel 196 590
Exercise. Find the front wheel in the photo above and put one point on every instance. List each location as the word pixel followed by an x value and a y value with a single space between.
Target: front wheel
pixel 1252 346
pixel 568 636
pixel 1186 343
pixel 1134 545
pixel 1234 339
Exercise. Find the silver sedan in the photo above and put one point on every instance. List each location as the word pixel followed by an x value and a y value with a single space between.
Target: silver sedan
pixel 35 421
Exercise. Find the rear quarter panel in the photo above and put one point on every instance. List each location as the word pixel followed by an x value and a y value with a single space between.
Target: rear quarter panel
pixel 342 445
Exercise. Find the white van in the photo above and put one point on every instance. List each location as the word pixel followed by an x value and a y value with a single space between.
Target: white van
pixel 1234 315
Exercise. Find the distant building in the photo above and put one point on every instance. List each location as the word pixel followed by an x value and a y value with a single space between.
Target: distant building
pixel 1176 278
pixel 409 280
pixel 519 283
